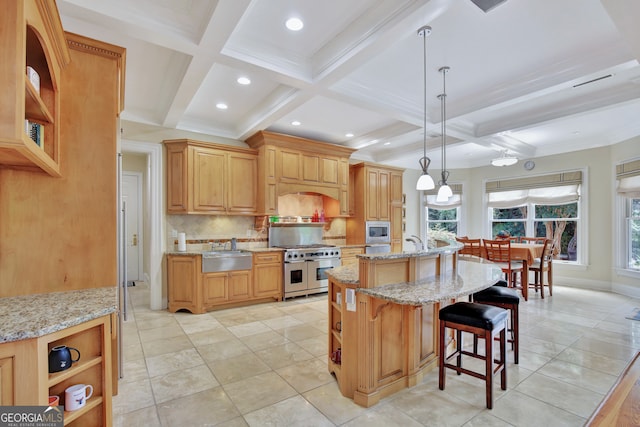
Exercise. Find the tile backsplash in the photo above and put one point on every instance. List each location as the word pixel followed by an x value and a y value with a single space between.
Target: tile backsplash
pixel 202 230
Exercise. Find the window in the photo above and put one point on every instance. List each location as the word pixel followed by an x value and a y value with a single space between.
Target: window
pixel 442 219
pixel 444 215
pixel 628 180
pixel 633 234
pixel 542 206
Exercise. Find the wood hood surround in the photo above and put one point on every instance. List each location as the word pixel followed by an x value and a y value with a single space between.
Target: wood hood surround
pixel 289 164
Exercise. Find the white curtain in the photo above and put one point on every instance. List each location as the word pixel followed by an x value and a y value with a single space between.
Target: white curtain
pixel 628 176
pixel 546 196
pixel 454 201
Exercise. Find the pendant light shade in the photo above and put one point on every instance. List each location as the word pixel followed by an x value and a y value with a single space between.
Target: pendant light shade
pixel 425 182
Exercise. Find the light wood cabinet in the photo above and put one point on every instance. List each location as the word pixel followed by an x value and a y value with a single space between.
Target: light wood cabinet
pixel 34 28
pixel 210 179
pixel 73 217
pixel 225 286
pixel 192 290
pixel 183 281
pixel 25 377
pixel 288 164
pixel 376 192
pixel 348 255
pixel 268 275
pixel 396 227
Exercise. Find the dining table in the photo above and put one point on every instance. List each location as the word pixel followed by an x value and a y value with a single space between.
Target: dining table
pixel 527 253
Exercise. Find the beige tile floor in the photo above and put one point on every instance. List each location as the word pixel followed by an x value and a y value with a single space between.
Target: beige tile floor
pixel 266 365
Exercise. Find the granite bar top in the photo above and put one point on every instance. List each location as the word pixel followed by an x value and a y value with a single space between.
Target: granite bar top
pixel 31 316
pixel 450 247
pixel 470 276
pixel 348 274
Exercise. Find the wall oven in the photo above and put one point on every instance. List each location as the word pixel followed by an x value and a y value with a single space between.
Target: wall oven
pixel 378 232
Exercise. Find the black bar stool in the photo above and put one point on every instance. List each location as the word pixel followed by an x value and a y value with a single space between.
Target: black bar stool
pixel 481 320
pixel 500 296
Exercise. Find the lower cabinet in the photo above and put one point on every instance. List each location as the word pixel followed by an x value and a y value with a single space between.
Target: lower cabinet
pixel 348 255
pixel 191 289
pixel 268 275
pixel 25 377
pixel 226 286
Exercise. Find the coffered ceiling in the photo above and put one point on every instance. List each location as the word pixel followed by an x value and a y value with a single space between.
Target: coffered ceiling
pixel 534 77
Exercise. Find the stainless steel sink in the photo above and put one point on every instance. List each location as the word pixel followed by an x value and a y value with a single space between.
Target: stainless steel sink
pixel 214 261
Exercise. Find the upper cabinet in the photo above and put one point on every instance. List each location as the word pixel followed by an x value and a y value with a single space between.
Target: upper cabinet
pixel 206 178
pixel 32 41
pixel 289 164
pixel 376 194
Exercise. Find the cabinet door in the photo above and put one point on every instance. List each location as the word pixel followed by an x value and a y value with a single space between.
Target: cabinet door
pixel 371 195
pixel 6 381
pixel 177 201
pixel 330 170
pixel 290 165
pixel 209 173
pixel 384 208
pixel 214 288
pixel 239 283
pixel 242 183
pixel 183 273
pixel 396 228
pixel 396 188
pixel 268 280
pixel 311 168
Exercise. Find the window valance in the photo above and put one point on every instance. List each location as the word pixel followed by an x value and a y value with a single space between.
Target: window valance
pixel 628 177
pixel 454 201
pixel 552 189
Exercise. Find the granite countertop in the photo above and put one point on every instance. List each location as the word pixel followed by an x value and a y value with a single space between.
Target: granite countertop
pixel 32 316
pixel 348 274
pixel 452 246
pixel 470 276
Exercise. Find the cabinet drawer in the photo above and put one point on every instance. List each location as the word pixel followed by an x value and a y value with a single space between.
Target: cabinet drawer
pixel 267 257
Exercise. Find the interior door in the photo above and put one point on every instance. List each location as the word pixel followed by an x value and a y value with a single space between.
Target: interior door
pixel 131 195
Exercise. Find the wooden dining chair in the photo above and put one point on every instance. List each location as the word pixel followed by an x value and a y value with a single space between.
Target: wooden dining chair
pixel 541 266
pixel 471 247
pixel 514 239
pixel 499 252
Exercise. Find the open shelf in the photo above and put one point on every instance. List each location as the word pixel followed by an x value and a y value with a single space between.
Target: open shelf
pixel 35 108
pixel 71 416
pixel 76 368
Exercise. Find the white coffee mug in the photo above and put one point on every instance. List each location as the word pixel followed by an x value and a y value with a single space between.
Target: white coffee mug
pixel 75 397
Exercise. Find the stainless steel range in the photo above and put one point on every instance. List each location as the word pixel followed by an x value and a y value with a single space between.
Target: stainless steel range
pixel 306 259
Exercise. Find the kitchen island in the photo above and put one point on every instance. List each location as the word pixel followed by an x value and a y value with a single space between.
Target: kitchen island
pixel 31 325
pixel 383 316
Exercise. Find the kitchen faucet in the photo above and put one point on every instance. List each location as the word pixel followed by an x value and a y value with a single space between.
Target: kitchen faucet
pixel 416 241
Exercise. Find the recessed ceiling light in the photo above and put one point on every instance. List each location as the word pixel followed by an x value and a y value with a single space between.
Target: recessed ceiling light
pixel 244 80
pixel 294 24
pixel 348 135
pixel 295 123
pixel 387 143
pixel 221 106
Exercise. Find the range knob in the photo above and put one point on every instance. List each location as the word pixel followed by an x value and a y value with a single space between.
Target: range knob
pixel 301 255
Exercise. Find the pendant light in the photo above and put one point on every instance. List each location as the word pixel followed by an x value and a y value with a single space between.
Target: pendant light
pixel 445 191
pixel 425 182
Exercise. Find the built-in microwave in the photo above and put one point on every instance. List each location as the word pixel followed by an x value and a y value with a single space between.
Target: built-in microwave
pixel 378 232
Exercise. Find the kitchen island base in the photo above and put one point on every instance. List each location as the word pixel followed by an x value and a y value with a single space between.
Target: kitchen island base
pixel 383 318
